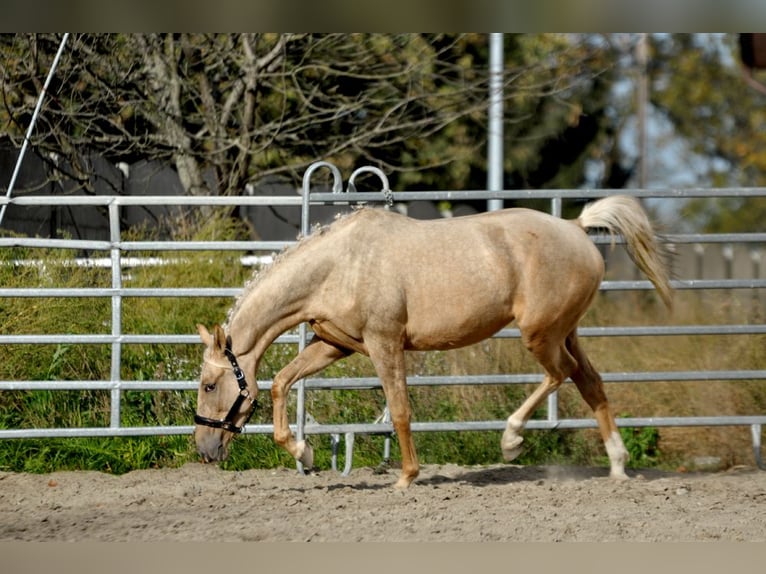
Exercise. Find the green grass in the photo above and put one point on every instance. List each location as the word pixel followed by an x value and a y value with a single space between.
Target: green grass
pixel 662 448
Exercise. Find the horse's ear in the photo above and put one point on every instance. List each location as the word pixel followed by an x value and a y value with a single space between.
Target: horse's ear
pixel 205 335
pixel 220 338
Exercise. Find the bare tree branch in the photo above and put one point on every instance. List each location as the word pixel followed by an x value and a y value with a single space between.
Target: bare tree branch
pixel 247 106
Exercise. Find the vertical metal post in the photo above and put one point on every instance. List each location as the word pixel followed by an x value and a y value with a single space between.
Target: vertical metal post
pixel 300 405
pixel 300 388
pixel 115 376
pixel 495 135
pixel 32 123
pixel 642 57
pixel 553 398
pixel 755 431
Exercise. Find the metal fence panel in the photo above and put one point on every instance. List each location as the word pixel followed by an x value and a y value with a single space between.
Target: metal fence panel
pixel 116 262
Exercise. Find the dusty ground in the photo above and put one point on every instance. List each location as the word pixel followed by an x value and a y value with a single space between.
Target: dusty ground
pixel 448 503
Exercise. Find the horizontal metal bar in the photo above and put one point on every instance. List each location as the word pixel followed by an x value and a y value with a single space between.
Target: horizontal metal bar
pixel 535 378
pixel 104 339
pixel 686 284
pixel 173 339
pixel 387 428
pixel 128 262
pixel 655 331
pixel 365 383
pixel 536 424
pixel 524 194
pixel 98 385
pixel 263 246
pixel 142 200
pixel 672 330
pixel 636 331
pixel 638 285
pixel 95 432
pixel 202 245
pixel 170 246
pixel 689 238
pixel 714 238
pixel 379 196
pixel 39 243
pixel 123 292
pixel 175 246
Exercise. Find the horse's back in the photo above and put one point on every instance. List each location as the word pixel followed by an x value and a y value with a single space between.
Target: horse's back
pixel 515 237
pixel 514 245
pixel 453 282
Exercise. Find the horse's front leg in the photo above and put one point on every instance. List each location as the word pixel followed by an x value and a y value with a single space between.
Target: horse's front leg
pixel 316 356
pixel 390 366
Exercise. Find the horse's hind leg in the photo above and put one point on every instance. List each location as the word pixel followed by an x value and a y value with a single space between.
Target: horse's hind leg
pixel 558 364
pixel 591 388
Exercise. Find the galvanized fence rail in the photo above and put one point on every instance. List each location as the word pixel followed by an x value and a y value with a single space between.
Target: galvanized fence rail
pixel 118 259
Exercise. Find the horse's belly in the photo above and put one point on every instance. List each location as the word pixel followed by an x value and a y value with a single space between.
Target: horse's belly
pixel 450 327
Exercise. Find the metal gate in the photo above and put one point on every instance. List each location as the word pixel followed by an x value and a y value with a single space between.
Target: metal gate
pixel 117 254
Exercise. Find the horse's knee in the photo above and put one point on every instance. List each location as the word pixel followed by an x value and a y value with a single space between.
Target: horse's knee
pixel 278 391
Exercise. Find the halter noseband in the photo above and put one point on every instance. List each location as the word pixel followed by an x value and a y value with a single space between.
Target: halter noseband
pixel 227 423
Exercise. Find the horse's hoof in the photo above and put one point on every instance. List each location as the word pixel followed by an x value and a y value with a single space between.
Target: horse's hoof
pixel 512 447
pixel 406 477
pixel 305 454
pixel 403 483
pixel 512 454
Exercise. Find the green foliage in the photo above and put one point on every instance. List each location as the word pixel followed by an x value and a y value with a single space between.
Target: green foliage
pixel 63 409
pixel 698 86
pixel 726 215
pixel 642 443
pixel 115 455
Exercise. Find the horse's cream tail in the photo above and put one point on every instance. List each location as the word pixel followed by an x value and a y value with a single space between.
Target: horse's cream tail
pixel 624 215
pixel 304 454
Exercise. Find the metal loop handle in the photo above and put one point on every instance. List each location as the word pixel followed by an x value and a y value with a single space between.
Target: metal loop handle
pixel 386 190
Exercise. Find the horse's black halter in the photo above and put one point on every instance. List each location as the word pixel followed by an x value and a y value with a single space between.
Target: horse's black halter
pixel 227 423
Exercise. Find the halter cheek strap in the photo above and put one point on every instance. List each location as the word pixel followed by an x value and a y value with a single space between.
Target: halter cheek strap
pixel 227 423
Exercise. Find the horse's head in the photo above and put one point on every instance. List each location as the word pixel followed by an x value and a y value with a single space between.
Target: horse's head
pixel 225 401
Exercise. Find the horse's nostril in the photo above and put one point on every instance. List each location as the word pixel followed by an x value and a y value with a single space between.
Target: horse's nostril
pixel 212 452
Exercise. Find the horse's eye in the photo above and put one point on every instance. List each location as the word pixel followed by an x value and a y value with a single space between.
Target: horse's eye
pixel 210 387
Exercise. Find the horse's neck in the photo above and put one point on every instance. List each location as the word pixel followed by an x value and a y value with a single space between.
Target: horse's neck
pixel 274 305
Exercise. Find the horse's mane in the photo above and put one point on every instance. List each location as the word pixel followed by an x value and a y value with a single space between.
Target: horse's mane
pixel 317 231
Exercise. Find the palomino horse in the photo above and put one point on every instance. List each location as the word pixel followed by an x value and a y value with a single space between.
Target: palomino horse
pixel 379 283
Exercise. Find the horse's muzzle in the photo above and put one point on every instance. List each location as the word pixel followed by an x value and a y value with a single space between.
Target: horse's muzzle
pixel 210 446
